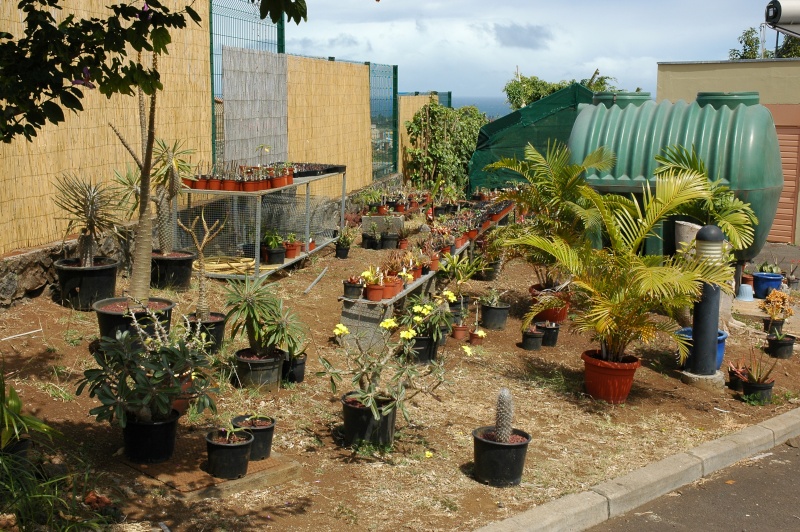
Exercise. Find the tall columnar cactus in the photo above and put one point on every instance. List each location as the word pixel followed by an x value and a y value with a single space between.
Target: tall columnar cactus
pixel 505 416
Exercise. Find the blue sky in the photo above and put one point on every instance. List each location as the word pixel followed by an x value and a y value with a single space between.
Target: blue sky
pixel 474 47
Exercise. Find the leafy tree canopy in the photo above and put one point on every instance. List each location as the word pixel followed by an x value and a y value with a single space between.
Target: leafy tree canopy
pixel 750 42
pixel 47 69
pixel 525 90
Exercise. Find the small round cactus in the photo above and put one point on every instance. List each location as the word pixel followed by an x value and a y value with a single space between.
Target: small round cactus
pixel 504 416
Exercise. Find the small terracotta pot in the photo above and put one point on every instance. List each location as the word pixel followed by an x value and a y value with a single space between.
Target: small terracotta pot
pixel 475 339
pixel 373 292
pixel 460 332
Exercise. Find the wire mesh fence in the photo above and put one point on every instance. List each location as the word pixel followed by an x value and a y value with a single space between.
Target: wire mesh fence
pixel 383 115
pixel 291 214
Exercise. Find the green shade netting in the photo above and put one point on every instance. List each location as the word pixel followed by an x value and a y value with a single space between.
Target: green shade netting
pixel 538 123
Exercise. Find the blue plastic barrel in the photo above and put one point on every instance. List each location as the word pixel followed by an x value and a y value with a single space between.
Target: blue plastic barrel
pixel 686 332
pixel 764 283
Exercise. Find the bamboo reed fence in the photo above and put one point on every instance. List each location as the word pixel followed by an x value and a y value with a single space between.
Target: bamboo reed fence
pixel 85 144
pixel 408 105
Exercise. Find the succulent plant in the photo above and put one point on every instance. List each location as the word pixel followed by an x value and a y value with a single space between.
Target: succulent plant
pixel 504 416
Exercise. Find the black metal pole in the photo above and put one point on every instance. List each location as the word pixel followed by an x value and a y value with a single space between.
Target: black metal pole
pixel 706 311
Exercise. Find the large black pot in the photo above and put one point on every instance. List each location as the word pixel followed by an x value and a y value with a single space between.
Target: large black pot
pixel 228 460
pixel 532 340
pixel 150 442
pixel 494 317
pixel 780 348
pixel 262 436
pixel 172 271
pixel 80 286
pixel 353 290
pixel 116 320
pixel 389 240
pixel 214 329
pixel 499 464
pixel 550 333
pixel 262 372
pixel 424 349
pixel 361 425
pixel 342 253
pixel 294 370
pixel 275 255
pixel 762 392
pixel 370 242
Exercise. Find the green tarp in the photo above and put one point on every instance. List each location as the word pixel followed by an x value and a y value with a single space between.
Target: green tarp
pixel 548 119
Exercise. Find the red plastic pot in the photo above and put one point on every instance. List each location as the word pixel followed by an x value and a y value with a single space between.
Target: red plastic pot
pixel 608 381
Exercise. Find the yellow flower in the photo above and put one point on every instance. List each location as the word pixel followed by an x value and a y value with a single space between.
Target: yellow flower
pixel 480 333
pixel 428 454
pixel 467 350
pixel 417 308
pixel 450 296
pixel 408 334
pixel 389 323
pixel 340 330
pixel 418 319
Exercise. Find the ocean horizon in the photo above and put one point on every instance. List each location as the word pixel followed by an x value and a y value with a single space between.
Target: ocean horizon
pixel 492 106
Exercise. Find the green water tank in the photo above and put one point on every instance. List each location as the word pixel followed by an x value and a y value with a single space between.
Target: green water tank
pixel 732 133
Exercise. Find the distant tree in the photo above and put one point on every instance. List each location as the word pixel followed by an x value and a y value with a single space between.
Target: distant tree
pixel 751 47
pixel 790 47
pixel 525 90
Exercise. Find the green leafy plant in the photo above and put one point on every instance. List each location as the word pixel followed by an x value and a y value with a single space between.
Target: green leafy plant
pixel 617 290
pixel 142 375
pixel 459 269
pixel 347 235
pixel 429 315
pixel 384 373
pixel 282 329
pixel 272 239
pixel 91 208
pixel 14 423
pixel 250 302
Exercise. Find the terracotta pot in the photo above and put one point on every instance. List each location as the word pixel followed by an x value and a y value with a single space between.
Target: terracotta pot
pixel 373 292
pixel 434 263
pixel 292 249
pixel 402 243
pixel 608 381
pixel 413 205
pixel 400 207
pixel 417 272
pixel 201 184
pixel 747 279
pixel 475 339
pixel 556 315
pixel 460 332
pixel 278 182
pixel 383 209
pixel 189 183
pixel 214 184
pixel 250 186
pixel 230 185
pixel 472 234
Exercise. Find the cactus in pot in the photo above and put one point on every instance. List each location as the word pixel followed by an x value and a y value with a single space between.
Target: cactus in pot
pixel 504 416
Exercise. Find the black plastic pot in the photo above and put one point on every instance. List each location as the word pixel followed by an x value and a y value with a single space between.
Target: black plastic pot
pixel 262 437
pixel 773 326
pixel 228 460
pixel 494 317
pixel 550 333
pixel 80 286
pixel 173 272
pixel 342 253
pixel 491 271
pixel 425 349
pixel 360 425
pixel 150 442
pixel 294 370
pixel 389 240
pixel 734 381
pixel 249 250
pixel 499 464
pixel 264 372
pixel 353 290
pixel 112 321
pixel 532 340
pixel 780 348
pixel 758 390
pixel 370 242
pixel 276 255
pixel 214 328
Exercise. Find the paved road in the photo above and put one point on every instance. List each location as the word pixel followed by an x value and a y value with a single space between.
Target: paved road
pixel 760 494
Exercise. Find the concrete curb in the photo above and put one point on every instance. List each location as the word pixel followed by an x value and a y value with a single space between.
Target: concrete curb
pixel 579 511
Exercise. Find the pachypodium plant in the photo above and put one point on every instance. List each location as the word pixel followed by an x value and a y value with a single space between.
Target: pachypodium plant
pixel 504 417
pixel 203 311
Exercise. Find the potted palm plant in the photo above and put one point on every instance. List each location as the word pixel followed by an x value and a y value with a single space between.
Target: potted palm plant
pixel 385 376
pixel 618 290
pixel 138 380
pixel 93 210
pixel 271 329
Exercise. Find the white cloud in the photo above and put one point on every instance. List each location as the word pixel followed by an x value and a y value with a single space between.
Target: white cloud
pixel 473 47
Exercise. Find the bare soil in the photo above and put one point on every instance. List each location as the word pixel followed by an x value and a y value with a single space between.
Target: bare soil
pixel 424 482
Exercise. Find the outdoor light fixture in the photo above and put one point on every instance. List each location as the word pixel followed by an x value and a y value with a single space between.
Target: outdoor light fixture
pixel 709 243
pixel 784 16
